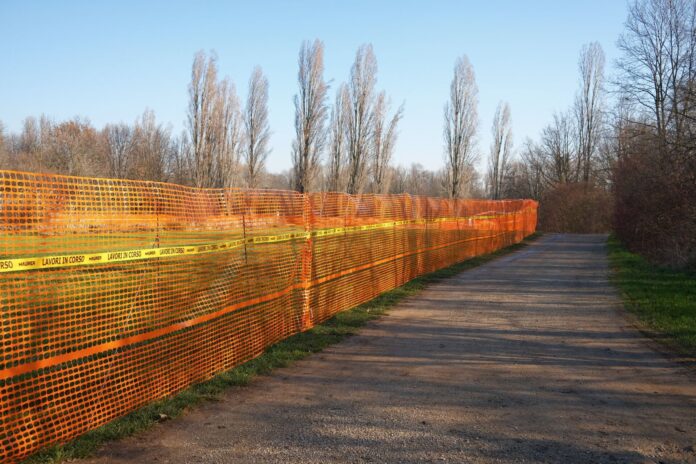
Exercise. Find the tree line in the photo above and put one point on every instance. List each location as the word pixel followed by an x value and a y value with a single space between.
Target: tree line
pixel 346 144
pixel 654 144
pixel 623 155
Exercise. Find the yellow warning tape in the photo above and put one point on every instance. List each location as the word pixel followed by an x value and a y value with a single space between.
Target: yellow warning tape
pixel 86 259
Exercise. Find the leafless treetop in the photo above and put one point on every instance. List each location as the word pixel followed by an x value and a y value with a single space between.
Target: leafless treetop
pixel 461 123
pixel 310 115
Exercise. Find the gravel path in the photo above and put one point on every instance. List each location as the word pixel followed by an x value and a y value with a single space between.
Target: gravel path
pixel 525 359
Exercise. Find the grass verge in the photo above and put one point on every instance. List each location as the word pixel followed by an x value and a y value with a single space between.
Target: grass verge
pixel 281 354
pixel 663 300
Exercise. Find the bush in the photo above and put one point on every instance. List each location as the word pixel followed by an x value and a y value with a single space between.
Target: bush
pixel 575 208
pixel 655 213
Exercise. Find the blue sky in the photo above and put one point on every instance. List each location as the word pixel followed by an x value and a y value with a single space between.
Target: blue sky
pixel 108 61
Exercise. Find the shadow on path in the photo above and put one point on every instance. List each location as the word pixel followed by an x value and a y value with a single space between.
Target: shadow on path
pixel 524 359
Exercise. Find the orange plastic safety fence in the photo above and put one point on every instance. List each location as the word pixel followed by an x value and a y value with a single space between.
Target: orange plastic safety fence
pixel 115 293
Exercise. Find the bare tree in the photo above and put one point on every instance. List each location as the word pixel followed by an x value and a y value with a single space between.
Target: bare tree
pixel 658 65
pixel 653 177
pixel 360 117
pixel 398 179
pixel 461 121
pixel 214 125
pixel 310 115
pixel 153 150
pixel 119 148
pixel 475 186
pixel 337 140
pixel 73 148
pixel 145 150
pixel 30 138
pixel 277 181
pixel 559 150
pixel 501 148
pixel 421 181
pixel 30 148
pixel 532 171
pixel 202 90
pixel 589 107
pixel 384 135
pixel 181 164
pixel 256 127
pixel 228 139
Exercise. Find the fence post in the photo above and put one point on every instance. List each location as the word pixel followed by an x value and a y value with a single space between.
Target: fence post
pixel 244 235
pixel 428 238
pixel 306 264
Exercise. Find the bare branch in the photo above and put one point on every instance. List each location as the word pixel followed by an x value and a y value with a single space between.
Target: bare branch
pixel 461 123
pixel 337 145
pixel 360 116
pixel 501 148
pixel 257 132
pixel 310 115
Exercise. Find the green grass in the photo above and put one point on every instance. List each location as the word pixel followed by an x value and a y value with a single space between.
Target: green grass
pixel 281 354
pixel 664 300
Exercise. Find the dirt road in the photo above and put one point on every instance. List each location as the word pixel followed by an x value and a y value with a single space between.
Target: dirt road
pixel 525 359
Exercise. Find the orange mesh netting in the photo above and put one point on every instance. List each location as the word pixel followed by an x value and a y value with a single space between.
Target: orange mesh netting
pixel 115 293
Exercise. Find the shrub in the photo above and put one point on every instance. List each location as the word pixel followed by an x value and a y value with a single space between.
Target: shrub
pixel 575 208
pixel 655 197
